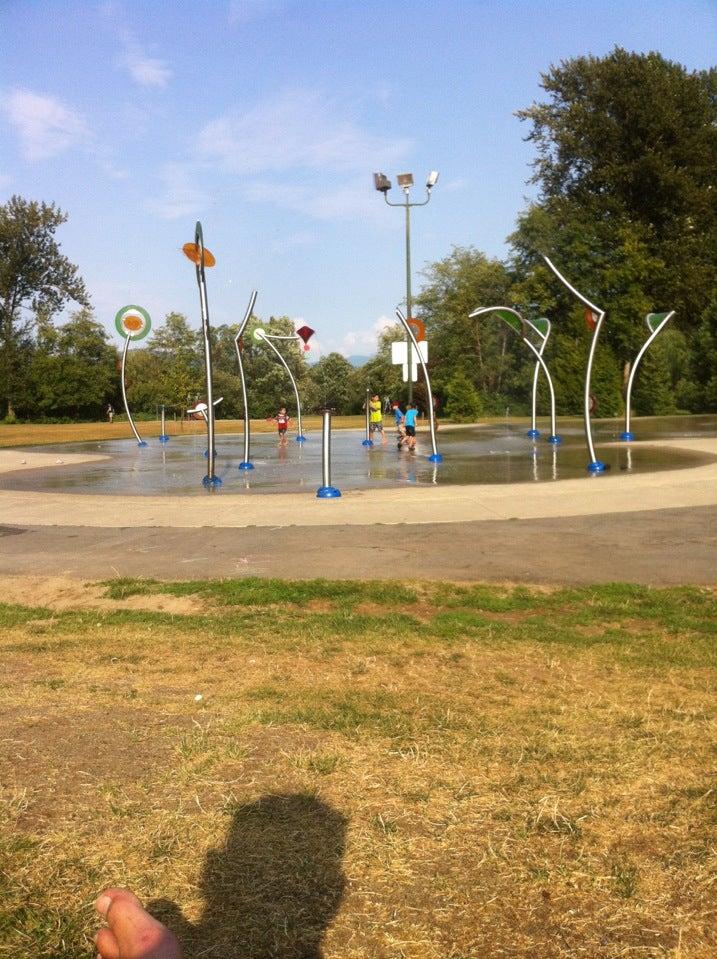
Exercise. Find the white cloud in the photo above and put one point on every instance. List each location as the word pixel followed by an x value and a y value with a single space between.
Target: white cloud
pixel 364 342
pixel 180 196
pixel 45 125
pixel 146 71
pixel 245 11
pixel 300 130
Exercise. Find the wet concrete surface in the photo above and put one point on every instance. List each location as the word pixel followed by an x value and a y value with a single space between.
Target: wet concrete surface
pixel 655 547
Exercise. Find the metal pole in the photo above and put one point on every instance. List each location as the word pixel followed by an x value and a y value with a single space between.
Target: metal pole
pixel 368 441
pixel 140 441
pixel 595 465
pixel 408 297
pixel 626 435
pixel 326 490
pixel 211 479
pixel 300 438
pixel 163 437
pixel 246 463
pixel 435 456
pixel 553 438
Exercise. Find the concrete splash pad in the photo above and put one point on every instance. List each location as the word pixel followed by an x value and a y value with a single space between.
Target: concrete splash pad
pixel 413 502
pixel 473 456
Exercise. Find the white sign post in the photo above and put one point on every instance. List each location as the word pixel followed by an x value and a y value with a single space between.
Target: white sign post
pixel 399 357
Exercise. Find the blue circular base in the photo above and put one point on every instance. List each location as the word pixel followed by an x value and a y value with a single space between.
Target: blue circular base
pixel 245 465
pixel 435 458
pixel 597 466
pixel 211 481
pixel 533 434
pixel 555 439
pixel 300 439
pixel 143 443
pixel 206 454
pixel 327 492
pixel 164 438
pixel 627 437
pixel 367 443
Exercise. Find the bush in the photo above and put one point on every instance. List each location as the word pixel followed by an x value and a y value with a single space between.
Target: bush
pixel 463 404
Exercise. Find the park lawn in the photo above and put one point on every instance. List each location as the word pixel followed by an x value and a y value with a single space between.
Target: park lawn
pixel 37 434
pixel 373 770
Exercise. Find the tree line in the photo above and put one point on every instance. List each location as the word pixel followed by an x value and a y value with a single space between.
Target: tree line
pixel 625 161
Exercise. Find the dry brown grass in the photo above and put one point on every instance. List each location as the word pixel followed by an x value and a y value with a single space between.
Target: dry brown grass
pixel 361 782
pixel 35 434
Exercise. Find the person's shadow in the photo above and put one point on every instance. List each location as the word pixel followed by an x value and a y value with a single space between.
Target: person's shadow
pixel 274 886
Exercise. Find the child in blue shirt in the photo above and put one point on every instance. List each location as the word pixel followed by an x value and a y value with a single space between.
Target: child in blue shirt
pixel 398 416
pixel 410 422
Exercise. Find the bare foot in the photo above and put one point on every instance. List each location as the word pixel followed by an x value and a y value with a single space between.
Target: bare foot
pixel 131 933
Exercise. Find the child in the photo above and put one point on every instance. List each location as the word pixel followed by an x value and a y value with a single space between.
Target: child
pixel 282 421
pixel 375 419
pixel 410 421
pixel 400 430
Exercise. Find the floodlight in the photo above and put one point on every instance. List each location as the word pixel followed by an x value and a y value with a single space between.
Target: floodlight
pixel 432 179
pixel 381 182
pixel 405 180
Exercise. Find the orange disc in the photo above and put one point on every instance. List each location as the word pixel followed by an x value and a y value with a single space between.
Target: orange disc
pixel 191 251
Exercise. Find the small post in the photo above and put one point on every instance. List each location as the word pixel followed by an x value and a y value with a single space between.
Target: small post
pixel 326 490
pixel 367 441
pixel 163 438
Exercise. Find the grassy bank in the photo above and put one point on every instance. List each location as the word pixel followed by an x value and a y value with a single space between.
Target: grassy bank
pixel 384 770
pixel 35 434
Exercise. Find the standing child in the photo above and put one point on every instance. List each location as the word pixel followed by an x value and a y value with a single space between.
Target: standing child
pixel 400 429
pixel 375 418
pixel 410 421
pixel 282 421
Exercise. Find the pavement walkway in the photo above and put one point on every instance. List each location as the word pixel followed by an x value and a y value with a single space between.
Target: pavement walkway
pixel 654 528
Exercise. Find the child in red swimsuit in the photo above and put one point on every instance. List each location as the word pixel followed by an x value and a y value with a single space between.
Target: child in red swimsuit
pixel 282 421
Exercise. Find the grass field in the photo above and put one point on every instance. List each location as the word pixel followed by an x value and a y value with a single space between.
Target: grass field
pixel 373 769
pixel 35 434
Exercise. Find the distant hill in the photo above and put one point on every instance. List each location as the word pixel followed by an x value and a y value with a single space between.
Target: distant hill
pixel 358 360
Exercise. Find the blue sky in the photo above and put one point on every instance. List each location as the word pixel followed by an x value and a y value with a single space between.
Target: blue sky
pixel 266 118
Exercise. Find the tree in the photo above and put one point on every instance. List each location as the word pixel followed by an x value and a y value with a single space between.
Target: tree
pixel 626 153
pixel 176 350
pixel 331 380
pixel 463 403
pixel 34 277
pixel 72 372
pixel 484 350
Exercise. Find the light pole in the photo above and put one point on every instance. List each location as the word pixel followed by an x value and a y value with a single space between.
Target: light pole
pixel 405 180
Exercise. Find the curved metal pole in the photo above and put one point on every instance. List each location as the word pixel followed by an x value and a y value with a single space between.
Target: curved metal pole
pixel 263 336
pixel 595 465
pixel 140 441
pixel 246 463
pixel 540 362
pixel 435 457
pixel 534 432
pixel 627 435
pixel 211 479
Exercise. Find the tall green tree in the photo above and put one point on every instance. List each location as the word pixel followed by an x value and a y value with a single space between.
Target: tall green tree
pixel 484 350
pixel 72 372
pixel 175 347
pixel 35 277
pixel 331 383
pixel 626 153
